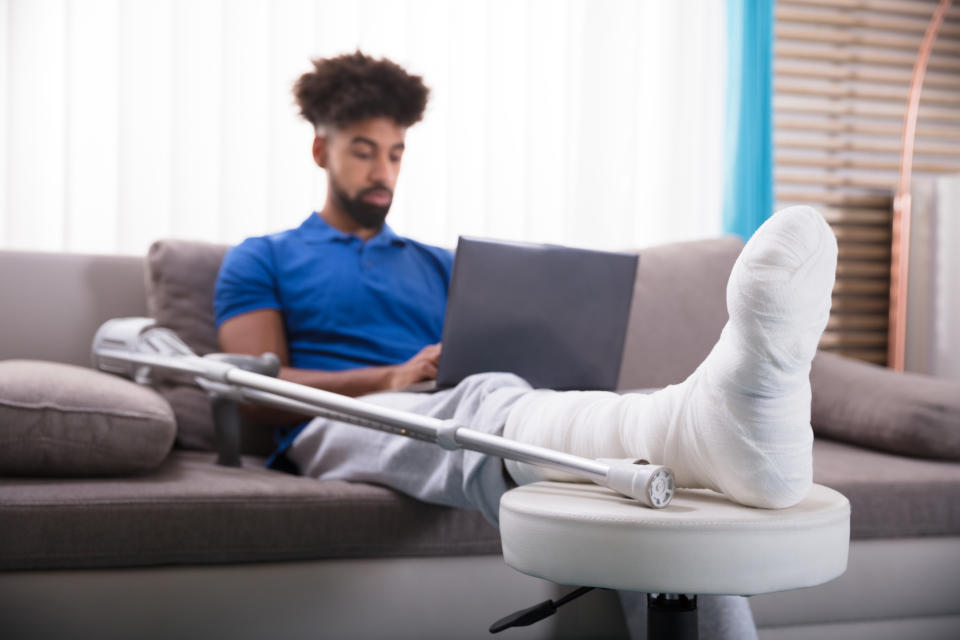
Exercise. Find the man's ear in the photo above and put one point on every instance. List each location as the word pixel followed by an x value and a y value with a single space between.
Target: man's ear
pixel 320 151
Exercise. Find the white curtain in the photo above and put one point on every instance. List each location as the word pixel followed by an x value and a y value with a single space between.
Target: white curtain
pixel 593 123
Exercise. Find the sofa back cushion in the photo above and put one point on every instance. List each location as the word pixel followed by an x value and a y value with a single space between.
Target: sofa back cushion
pixel 679 308
pixel 181 275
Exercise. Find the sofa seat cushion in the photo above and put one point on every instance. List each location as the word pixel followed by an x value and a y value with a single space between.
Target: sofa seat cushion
pixel 191 511
pixel 891 496
pixel 63 420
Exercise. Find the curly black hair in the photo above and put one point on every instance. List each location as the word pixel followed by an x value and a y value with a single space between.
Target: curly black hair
pixel 352 87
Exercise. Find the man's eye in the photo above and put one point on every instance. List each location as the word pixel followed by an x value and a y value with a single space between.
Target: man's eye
pixel 361 156
pixel 396 158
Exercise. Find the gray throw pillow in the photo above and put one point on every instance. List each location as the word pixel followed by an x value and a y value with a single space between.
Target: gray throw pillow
pixel 63 420
pixel 872 406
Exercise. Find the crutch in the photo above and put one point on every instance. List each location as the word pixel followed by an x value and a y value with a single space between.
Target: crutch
pixel 137 349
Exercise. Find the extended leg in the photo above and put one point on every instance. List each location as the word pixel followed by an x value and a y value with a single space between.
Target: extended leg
pixel 740 424
pixel 329 449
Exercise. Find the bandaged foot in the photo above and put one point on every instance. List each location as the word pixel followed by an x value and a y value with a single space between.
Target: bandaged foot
pixel 740 424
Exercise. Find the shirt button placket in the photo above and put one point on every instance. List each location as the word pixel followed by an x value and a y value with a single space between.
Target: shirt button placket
pixel 365 261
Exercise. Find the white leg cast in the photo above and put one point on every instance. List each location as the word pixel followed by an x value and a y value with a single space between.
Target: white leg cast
pixel 740 424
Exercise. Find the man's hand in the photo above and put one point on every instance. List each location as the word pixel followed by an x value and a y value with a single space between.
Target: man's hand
pixel 420 367
pixel 258 331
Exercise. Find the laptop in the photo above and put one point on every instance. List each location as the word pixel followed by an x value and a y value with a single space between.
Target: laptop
pixel 555 316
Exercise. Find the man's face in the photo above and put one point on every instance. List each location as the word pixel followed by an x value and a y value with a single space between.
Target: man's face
pixel 363 163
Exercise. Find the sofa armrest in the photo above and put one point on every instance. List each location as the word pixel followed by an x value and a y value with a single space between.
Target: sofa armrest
pixel 61 299
pixel 872 406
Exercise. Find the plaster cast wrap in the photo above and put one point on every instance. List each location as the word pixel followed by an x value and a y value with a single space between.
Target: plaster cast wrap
pixel 740 424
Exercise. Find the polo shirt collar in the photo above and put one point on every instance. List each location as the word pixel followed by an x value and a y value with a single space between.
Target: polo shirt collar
pixel 387 236
pixel 316 229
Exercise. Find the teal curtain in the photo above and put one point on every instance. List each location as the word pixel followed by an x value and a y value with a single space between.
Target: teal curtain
pixel 748 140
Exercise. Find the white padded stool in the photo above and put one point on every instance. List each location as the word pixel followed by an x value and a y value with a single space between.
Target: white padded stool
pixel 584 534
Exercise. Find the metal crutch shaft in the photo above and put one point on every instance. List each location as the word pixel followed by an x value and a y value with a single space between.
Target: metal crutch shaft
pixel 652 485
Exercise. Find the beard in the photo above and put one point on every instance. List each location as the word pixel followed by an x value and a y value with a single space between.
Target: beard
pixel 365 214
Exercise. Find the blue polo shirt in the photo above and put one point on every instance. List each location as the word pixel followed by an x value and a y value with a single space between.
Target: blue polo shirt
pixel 346 303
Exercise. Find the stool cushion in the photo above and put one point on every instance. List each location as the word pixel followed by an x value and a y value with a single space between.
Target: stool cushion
pixel 582 534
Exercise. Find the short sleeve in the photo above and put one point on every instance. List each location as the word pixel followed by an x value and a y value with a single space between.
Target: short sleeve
pixel 442 257
pixel 246 282
pixel 446 257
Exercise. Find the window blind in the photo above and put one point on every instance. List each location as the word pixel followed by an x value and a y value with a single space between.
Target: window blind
pixel 842 73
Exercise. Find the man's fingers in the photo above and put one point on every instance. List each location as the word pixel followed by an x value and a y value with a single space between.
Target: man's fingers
pixel 431 351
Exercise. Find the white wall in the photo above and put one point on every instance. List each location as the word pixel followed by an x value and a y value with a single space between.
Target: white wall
pixel 933 299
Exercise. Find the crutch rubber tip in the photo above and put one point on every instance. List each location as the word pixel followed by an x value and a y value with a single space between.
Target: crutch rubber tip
pixel 651 484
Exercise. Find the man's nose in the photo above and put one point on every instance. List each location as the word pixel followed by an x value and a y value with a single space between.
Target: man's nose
pixel 383 172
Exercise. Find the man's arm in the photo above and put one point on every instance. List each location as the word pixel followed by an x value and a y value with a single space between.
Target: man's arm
pixel 257 332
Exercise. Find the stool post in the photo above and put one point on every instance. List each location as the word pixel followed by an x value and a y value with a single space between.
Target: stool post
pixel 671 615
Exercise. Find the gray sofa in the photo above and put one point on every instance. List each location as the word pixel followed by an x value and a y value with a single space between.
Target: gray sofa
pixel 193 549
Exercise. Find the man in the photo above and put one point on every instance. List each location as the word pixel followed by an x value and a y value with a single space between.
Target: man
pixel 346 304
pixel 351 307
pixel 345 251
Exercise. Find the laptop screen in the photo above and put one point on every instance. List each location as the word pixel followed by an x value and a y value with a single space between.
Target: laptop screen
pixel 556 316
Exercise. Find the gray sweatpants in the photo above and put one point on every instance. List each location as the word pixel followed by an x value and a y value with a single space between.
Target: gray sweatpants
pixel 327 449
